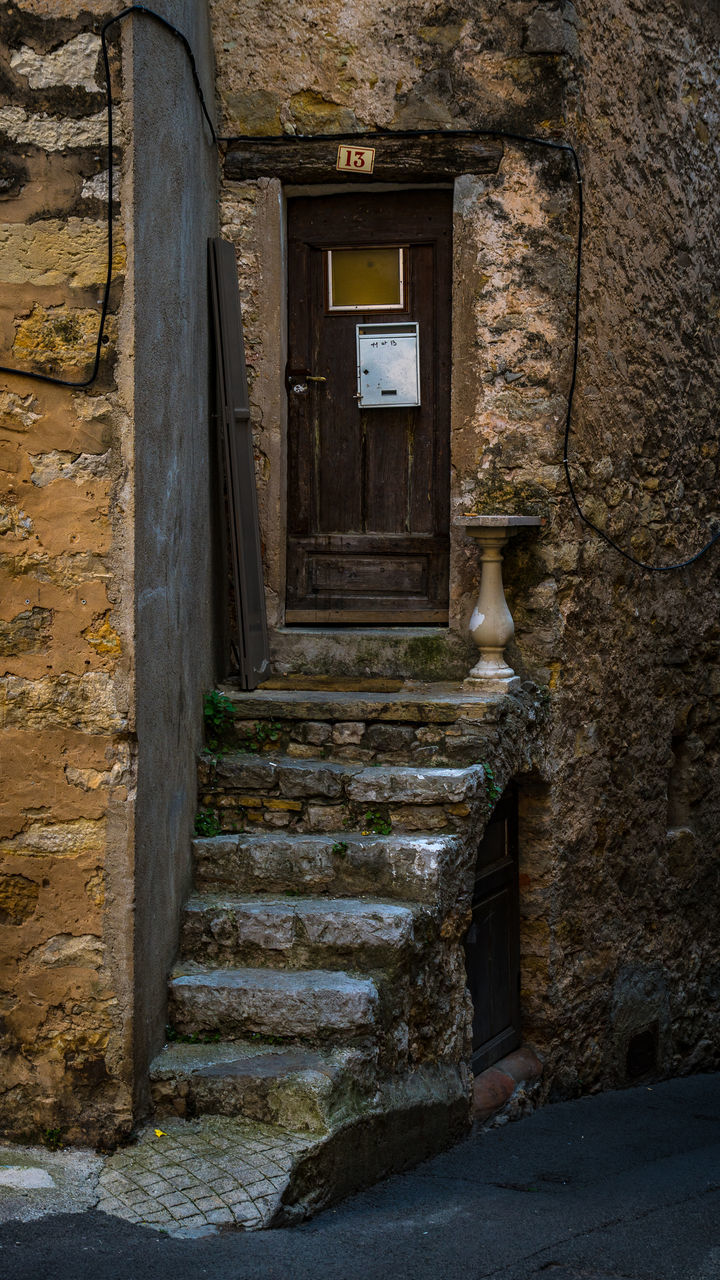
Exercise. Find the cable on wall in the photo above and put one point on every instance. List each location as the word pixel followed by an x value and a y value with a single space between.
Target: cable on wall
pixel 111 22
pixel 529 139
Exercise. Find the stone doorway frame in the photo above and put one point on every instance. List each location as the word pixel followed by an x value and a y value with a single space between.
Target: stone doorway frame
pixel 483 231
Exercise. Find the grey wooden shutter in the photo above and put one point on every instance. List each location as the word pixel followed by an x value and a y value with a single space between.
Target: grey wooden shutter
pixel 234 420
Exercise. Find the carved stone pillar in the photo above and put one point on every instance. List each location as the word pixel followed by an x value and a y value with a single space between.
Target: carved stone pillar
pixel 491 624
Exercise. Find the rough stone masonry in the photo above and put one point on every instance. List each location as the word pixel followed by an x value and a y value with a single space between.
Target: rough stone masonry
pixel 619 869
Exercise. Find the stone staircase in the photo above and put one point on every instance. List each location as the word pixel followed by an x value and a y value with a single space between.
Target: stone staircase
pixel 320 986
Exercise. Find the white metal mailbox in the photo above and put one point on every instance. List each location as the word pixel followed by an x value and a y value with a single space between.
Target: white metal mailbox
pixel 388 365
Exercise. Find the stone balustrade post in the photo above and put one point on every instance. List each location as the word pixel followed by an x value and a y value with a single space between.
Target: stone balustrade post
pixel 491 624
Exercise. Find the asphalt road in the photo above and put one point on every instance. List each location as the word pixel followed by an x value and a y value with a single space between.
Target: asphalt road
pixel 623 1186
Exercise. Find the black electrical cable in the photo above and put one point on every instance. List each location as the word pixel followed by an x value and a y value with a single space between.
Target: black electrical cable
pixel 118 17
pixel 547 143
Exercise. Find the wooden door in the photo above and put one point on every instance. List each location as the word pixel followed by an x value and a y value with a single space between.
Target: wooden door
pixel 367 488
pixel 492 944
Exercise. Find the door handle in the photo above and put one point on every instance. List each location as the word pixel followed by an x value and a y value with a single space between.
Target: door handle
pixel 297 380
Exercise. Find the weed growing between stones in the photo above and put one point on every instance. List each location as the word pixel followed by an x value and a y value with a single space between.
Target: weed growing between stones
pixel 52 1139
pixel 339 848
pixel 375 824
pixel 198 1037
pixel 207 823
pixel 260 736
pixel 219 713
pixel 492 789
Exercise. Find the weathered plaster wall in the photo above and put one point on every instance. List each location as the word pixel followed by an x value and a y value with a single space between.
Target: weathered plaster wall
pixel 106 628
pixel 174 178
pixel 631 924
pixel 619 871
pixel 66 597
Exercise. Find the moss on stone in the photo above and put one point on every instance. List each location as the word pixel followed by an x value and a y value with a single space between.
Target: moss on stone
pixel 495 494
pixel 428 657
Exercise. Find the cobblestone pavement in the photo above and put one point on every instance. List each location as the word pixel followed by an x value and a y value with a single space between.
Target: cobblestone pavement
pixel 189 1178
pixel 193 1175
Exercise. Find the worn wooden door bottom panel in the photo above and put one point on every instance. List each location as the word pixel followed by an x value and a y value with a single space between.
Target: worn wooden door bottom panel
pixel 343 617
pixel 343 579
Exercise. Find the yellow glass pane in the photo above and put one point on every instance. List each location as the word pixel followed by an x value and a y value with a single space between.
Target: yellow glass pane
pixel 366 278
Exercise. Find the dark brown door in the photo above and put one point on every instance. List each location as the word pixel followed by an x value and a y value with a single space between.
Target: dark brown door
pixel 492 945
pixel 368 488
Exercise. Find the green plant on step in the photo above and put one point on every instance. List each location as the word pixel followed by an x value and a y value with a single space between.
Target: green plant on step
pixel 339 848
pixel 375 824
pixel 219 714
pixel 492 790
pixel 52 1139
pixel 197 1037
pixel 260 735
pixel 207 823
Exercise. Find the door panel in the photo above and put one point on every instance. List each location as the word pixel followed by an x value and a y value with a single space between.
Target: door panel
pixel 368 488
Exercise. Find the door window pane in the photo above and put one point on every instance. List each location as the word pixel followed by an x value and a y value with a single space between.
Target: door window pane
pixel 366 279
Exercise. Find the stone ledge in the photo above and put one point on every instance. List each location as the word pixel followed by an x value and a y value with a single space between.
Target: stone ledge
pixel 414 701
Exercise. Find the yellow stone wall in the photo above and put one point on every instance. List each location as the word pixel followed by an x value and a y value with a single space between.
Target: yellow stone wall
pixel 66 800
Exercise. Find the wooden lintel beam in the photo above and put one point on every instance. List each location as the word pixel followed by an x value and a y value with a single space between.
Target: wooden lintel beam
pixel 422 158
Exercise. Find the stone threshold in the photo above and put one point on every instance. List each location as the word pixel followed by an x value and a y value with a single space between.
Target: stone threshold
pixel 508 1090
pixel 430 653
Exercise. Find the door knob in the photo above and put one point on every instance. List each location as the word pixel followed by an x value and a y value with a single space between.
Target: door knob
pixel 297 380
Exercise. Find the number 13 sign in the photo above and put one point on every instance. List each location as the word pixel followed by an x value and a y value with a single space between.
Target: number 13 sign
pixel 356 159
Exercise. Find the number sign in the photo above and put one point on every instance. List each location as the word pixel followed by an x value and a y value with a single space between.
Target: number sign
pixel 356 159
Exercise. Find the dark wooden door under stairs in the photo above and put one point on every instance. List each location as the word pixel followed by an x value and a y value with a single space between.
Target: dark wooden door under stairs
pixel 492 945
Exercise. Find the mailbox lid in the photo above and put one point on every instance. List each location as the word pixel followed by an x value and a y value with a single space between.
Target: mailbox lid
pixel 388 365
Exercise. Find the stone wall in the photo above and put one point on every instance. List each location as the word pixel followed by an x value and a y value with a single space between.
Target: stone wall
pixel 66 612
pixel 631 847
pixel 106 622
pixel 619 877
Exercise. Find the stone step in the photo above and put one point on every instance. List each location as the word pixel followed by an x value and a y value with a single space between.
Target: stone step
pixel 340 863
pixel 216 1172
pixel 407 722
pixel 279 775
pixel 399 785
pixel 412 1115
pixel 295 933
pixel 306 1090
pixel 310 795
pixel 313 1005
pixel 409 701
pixel 329 780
